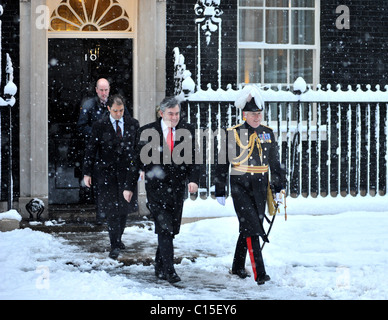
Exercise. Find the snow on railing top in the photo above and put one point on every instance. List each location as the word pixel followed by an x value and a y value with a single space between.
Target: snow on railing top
pixel 10 88
pixel 319 95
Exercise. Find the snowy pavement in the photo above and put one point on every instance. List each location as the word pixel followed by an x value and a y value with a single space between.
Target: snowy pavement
pixel 331 256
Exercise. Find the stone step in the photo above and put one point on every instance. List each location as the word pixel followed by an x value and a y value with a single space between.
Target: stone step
pixel 9 225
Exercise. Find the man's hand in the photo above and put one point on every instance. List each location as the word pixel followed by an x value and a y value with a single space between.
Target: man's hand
pixel 127 195
pixel 88 181
pixel 193 187
pixel 279 197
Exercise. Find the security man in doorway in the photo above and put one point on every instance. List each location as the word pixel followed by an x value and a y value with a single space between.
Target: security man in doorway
pixel 92 110
pixel 252 152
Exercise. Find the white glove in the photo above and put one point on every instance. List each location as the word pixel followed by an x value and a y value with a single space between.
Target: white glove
pixel 279 198
pixel 221 200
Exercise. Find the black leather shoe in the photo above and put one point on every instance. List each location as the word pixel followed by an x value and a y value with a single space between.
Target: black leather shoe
pixel 262 278
pixel 114 253
pixel 173 278
pixel 242 273
pixel 160 274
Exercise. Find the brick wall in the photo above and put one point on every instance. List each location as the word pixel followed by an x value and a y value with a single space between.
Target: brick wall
pixel 348 56
pixel 357 55
pixel 182 32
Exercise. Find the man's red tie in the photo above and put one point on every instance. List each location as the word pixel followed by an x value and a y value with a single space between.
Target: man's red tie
pixel 170 139
pixel 118 130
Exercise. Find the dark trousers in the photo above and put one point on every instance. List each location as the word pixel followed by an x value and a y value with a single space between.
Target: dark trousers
pixel 116 225
pixel 251 245
pixel 164 259
pixel 112 202
pixel 100 214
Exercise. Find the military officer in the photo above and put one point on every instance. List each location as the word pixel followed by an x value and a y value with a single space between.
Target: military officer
pixel 252 153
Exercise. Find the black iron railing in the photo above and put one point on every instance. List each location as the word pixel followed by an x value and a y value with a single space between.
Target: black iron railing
pixel 330 142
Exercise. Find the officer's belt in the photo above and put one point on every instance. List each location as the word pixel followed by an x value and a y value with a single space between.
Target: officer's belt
pixel 251 169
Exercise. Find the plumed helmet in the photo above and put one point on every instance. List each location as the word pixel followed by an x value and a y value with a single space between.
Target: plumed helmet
pixel 250 99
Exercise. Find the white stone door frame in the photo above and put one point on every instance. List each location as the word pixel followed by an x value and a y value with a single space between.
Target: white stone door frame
pixel 149 86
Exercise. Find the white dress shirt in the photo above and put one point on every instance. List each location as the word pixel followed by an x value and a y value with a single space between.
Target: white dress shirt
pixel 121 123
pixel 165 130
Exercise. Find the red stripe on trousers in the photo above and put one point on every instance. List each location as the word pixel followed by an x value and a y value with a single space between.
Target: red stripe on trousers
pixel 250 250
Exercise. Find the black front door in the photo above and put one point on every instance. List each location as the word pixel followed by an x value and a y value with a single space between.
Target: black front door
pixel 74 67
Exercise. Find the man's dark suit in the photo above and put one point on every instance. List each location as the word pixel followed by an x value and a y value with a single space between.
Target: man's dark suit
pixel 165 181
pixel 92 110
pixel 110 157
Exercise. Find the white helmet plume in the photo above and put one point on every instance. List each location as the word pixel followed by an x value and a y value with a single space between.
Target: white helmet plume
pixel 246 94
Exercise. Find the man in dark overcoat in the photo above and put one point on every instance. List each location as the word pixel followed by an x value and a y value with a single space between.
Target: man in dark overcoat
pixel 165 152
pixel 252 152
pixel 108 154
pixel 92 110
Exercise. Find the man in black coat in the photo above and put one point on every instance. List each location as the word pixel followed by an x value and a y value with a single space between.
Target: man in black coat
pixel 165 152
pixel 92 110
pixel 109 153
pixel 252 152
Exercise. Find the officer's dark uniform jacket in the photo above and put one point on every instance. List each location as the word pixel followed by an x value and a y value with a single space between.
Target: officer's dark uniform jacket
pixel 252 154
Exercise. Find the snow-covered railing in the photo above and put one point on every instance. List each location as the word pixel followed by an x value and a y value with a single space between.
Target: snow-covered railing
pixel 8 91
pixel 331 142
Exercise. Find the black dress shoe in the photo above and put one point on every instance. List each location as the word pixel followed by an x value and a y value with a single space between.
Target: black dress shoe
pixel 262 278
pixel 242 273
pixel 160 274
pixel 114 253
pixel 173 277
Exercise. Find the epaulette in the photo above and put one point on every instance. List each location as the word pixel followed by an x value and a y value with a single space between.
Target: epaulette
pixel 236 126
pixel 267 127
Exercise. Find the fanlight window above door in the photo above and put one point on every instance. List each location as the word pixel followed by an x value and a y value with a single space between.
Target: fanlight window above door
pixel 90 15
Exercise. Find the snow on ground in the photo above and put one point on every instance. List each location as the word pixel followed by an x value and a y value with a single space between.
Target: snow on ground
pixel 341 255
